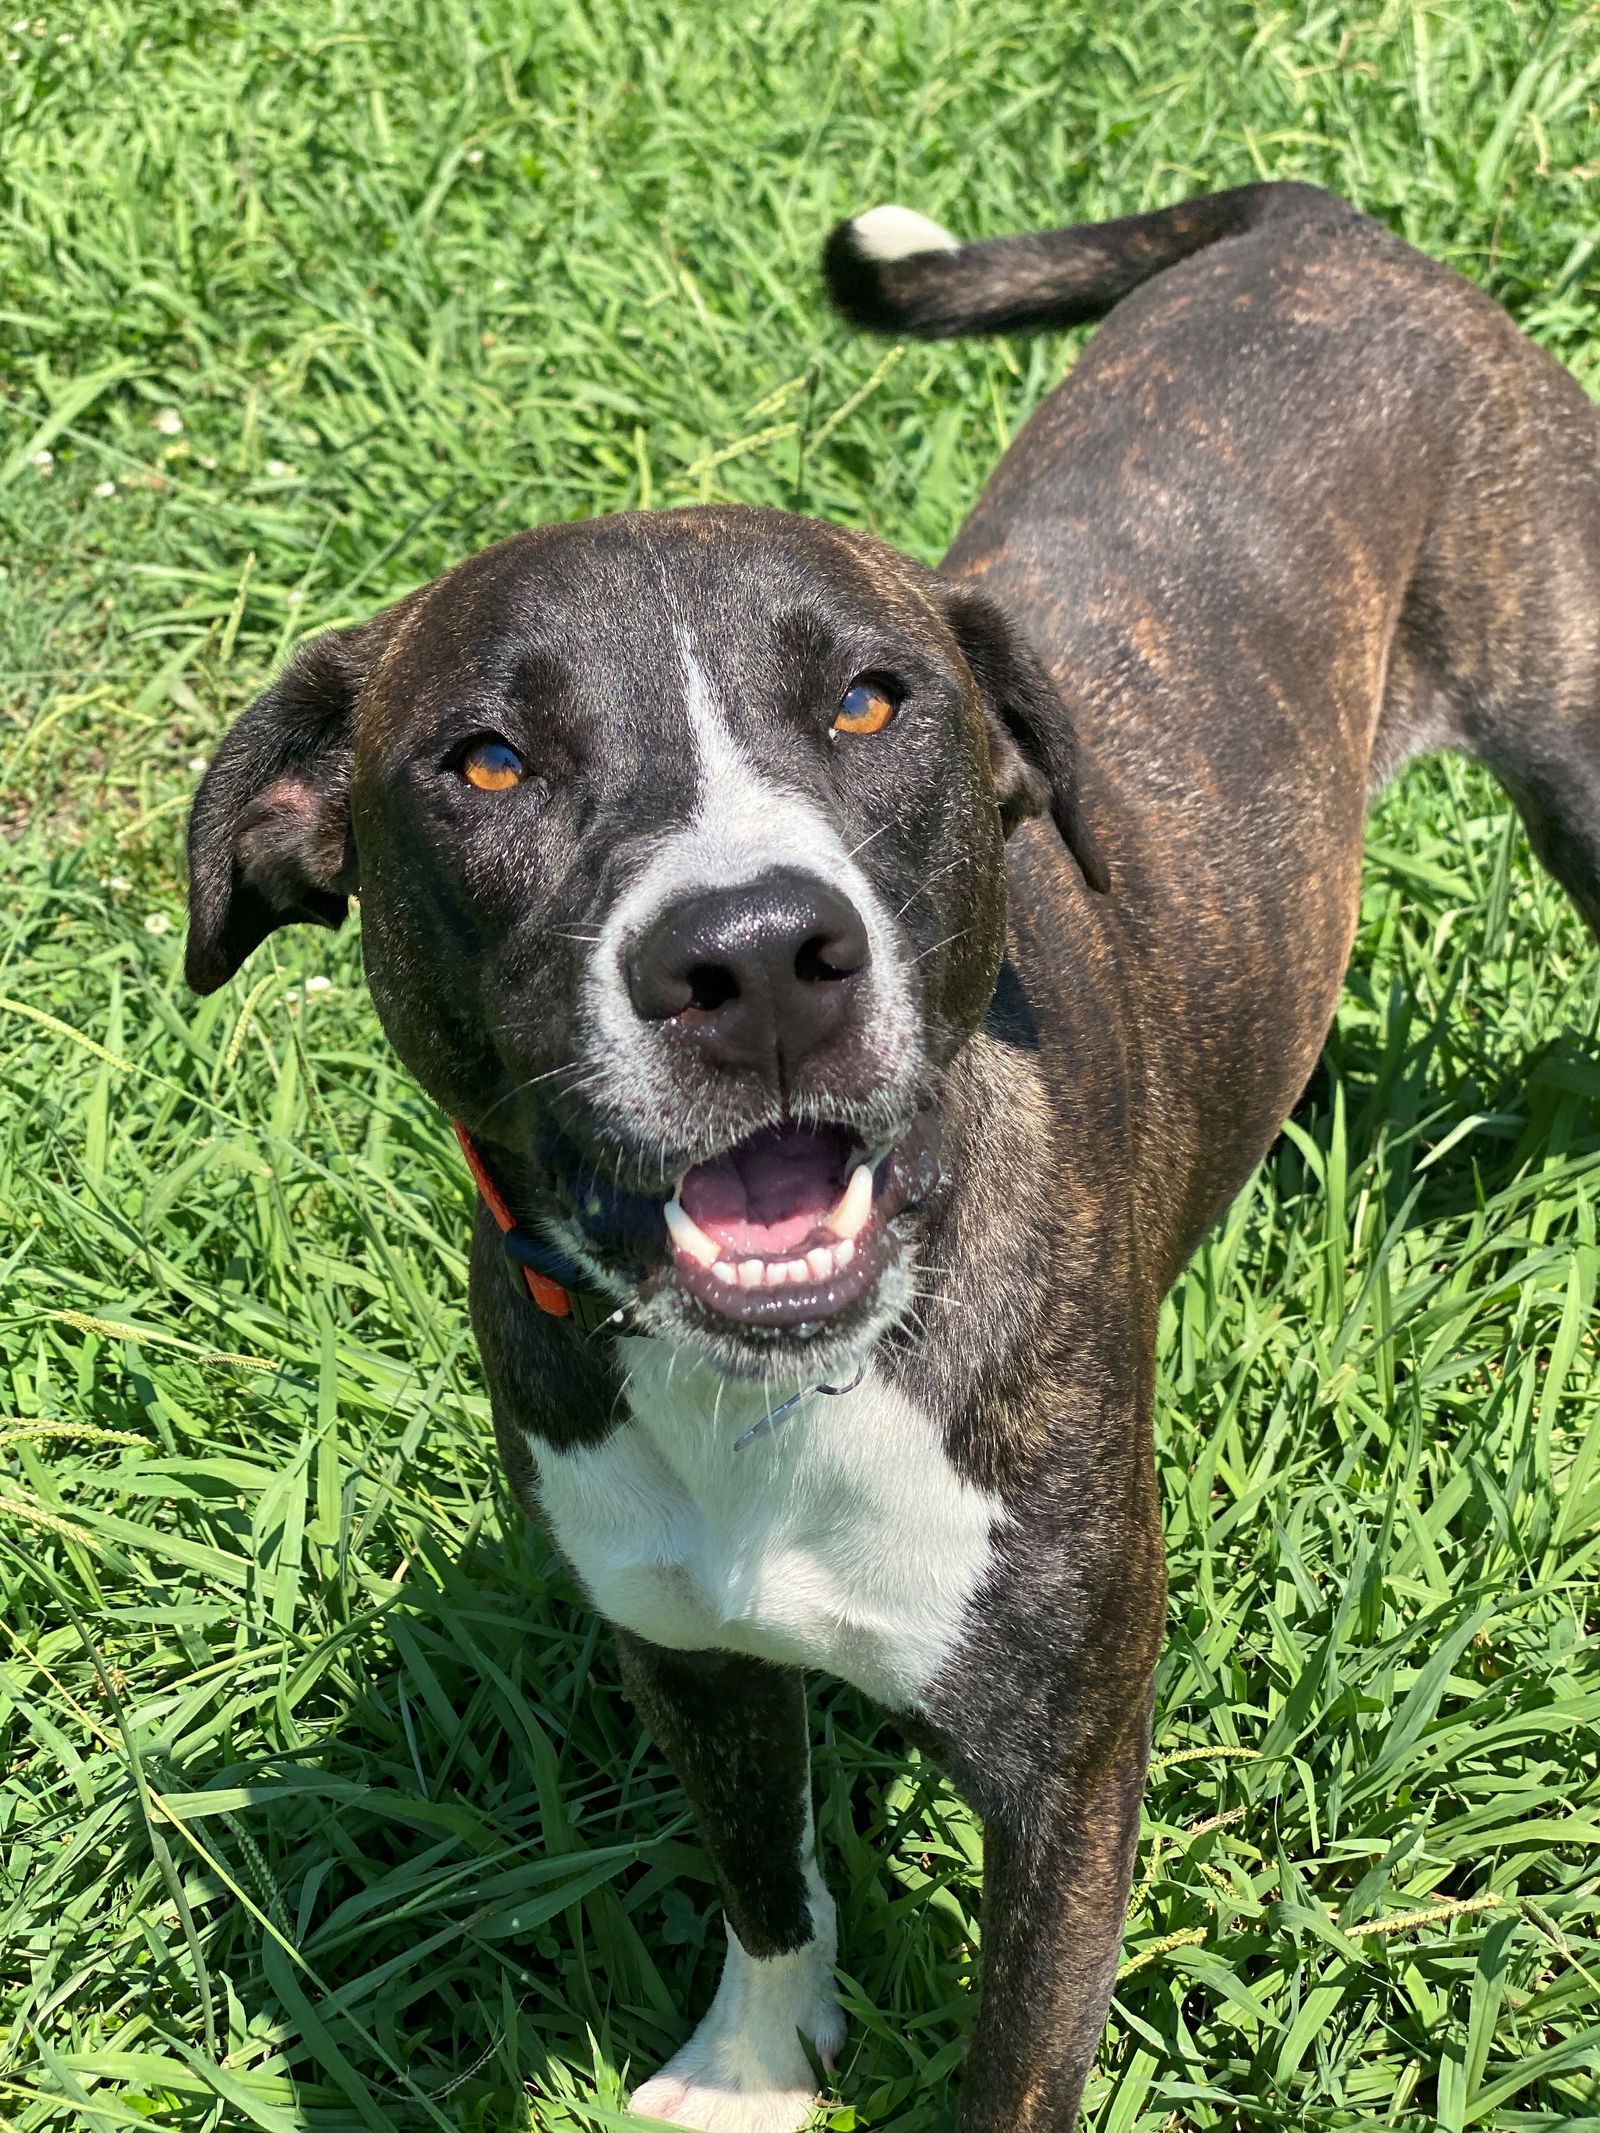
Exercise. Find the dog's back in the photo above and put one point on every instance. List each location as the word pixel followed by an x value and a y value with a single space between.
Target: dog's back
pixel 1307 506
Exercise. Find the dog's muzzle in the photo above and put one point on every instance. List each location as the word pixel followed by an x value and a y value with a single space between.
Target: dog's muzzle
pixel 760 980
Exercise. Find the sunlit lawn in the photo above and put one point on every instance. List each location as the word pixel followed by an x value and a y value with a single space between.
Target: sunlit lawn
pixel 321 1805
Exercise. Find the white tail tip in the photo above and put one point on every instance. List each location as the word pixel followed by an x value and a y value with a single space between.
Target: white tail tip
pixel 885 233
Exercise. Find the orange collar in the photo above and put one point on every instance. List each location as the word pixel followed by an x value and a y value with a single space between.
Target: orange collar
pixel 554 1282
pixel 548 1294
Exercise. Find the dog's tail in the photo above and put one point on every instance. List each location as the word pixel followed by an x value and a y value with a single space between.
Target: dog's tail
pixel 896 272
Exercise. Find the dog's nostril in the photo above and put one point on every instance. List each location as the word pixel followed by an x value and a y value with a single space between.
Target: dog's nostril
pixel 711 985
pixel 823 958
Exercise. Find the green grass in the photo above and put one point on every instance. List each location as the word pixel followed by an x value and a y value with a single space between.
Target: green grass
pixel 321 1807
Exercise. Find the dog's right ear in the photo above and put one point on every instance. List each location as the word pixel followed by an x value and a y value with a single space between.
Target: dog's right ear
pixel 269 838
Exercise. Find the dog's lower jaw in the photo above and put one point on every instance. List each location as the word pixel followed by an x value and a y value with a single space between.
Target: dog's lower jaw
pixel 822 1351
pixel 745 2069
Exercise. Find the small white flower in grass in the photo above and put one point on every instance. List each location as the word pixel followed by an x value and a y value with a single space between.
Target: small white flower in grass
pixel 319 984
pixel 116 884
pixel 474 157
pixel 198 763
pixel 169 422
pixel 44 461
pixel 105 488
pixel 279 469
pixel 158 923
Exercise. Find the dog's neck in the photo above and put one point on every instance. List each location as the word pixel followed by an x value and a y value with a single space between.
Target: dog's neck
pixel 986 1230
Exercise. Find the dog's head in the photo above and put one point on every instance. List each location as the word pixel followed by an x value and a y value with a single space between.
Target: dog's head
pixel 678 843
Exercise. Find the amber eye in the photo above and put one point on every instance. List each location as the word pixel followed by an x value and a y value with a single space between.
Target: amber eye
pixel 864 708
pixel 492 766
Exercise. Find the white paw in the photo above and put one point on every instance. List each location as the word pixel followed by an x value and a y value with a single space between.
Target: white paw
pixel 681 2101
pixel 745 2070
pixel 885 233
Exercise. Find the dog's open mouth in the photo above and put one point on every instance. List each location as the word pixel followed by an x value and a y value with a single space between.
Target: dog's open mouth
pixel 788 1227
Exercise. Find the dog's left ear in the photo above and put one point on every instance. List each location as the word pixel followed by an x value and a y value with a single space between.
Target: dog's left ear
pixel 1031 745
pixel 269 838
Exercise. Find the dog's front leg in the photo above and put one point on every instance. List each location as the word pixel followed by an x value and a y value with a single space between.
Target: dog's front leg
pixel 734 1730
pixel 1059 1790
pixel 1058 1860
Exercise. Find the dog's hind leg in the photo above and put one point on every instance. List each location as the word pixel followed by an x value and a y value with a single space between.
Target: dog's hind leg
pixel 1552 778
pixel 1496 652
pixel 1559 802
pixel 734 1730
pixel 1539 733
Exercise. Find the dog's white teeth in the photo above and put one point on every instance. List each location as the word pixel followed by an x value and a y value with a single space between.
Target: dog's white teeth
pixel 854 1211
pixel 821 1263
pixel 687 1235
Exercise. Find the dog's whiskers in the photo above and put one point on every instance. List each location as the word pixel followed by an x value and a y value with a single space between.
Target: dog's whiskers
pixel 588 1077
pixel 572 1066
pixel 866 840
pixel 960 934
pixel 923 887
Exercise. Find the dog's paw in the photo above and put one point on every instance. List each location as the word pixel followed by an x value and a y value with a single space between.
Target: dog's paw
pixel 681 2100
pixel 745 2069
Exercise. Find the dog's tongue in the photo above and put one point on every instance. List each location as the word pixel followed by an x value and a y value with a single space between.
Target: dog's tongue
pixel 767 1195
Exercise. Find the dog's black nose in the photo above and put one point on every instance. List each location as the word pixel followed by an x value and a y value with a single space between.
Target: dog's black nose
pixel 753 975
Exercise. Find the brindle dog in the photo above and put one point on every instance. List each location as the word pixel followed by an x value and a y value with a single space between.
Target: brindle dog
pixel 680 846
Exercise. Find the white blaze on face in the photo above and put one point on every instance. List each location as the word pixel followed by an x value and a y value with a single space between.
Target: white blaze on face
pixel 744 826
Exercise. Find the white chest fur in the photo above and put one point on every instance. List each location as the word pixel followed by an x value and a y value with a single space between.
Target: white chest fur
pixel 842 1539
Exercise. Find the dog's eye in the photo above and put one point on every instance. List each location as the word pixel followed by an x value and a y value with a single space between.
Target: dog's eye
pixel 492 766
pixel 865 707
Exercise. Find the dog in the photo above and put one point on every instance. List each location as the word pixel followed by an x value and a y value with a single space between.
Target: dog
pixel 858 987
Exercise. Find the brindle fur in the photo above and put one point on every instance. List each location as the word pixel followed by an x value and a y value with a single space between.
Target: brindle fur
pixel 1307 505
